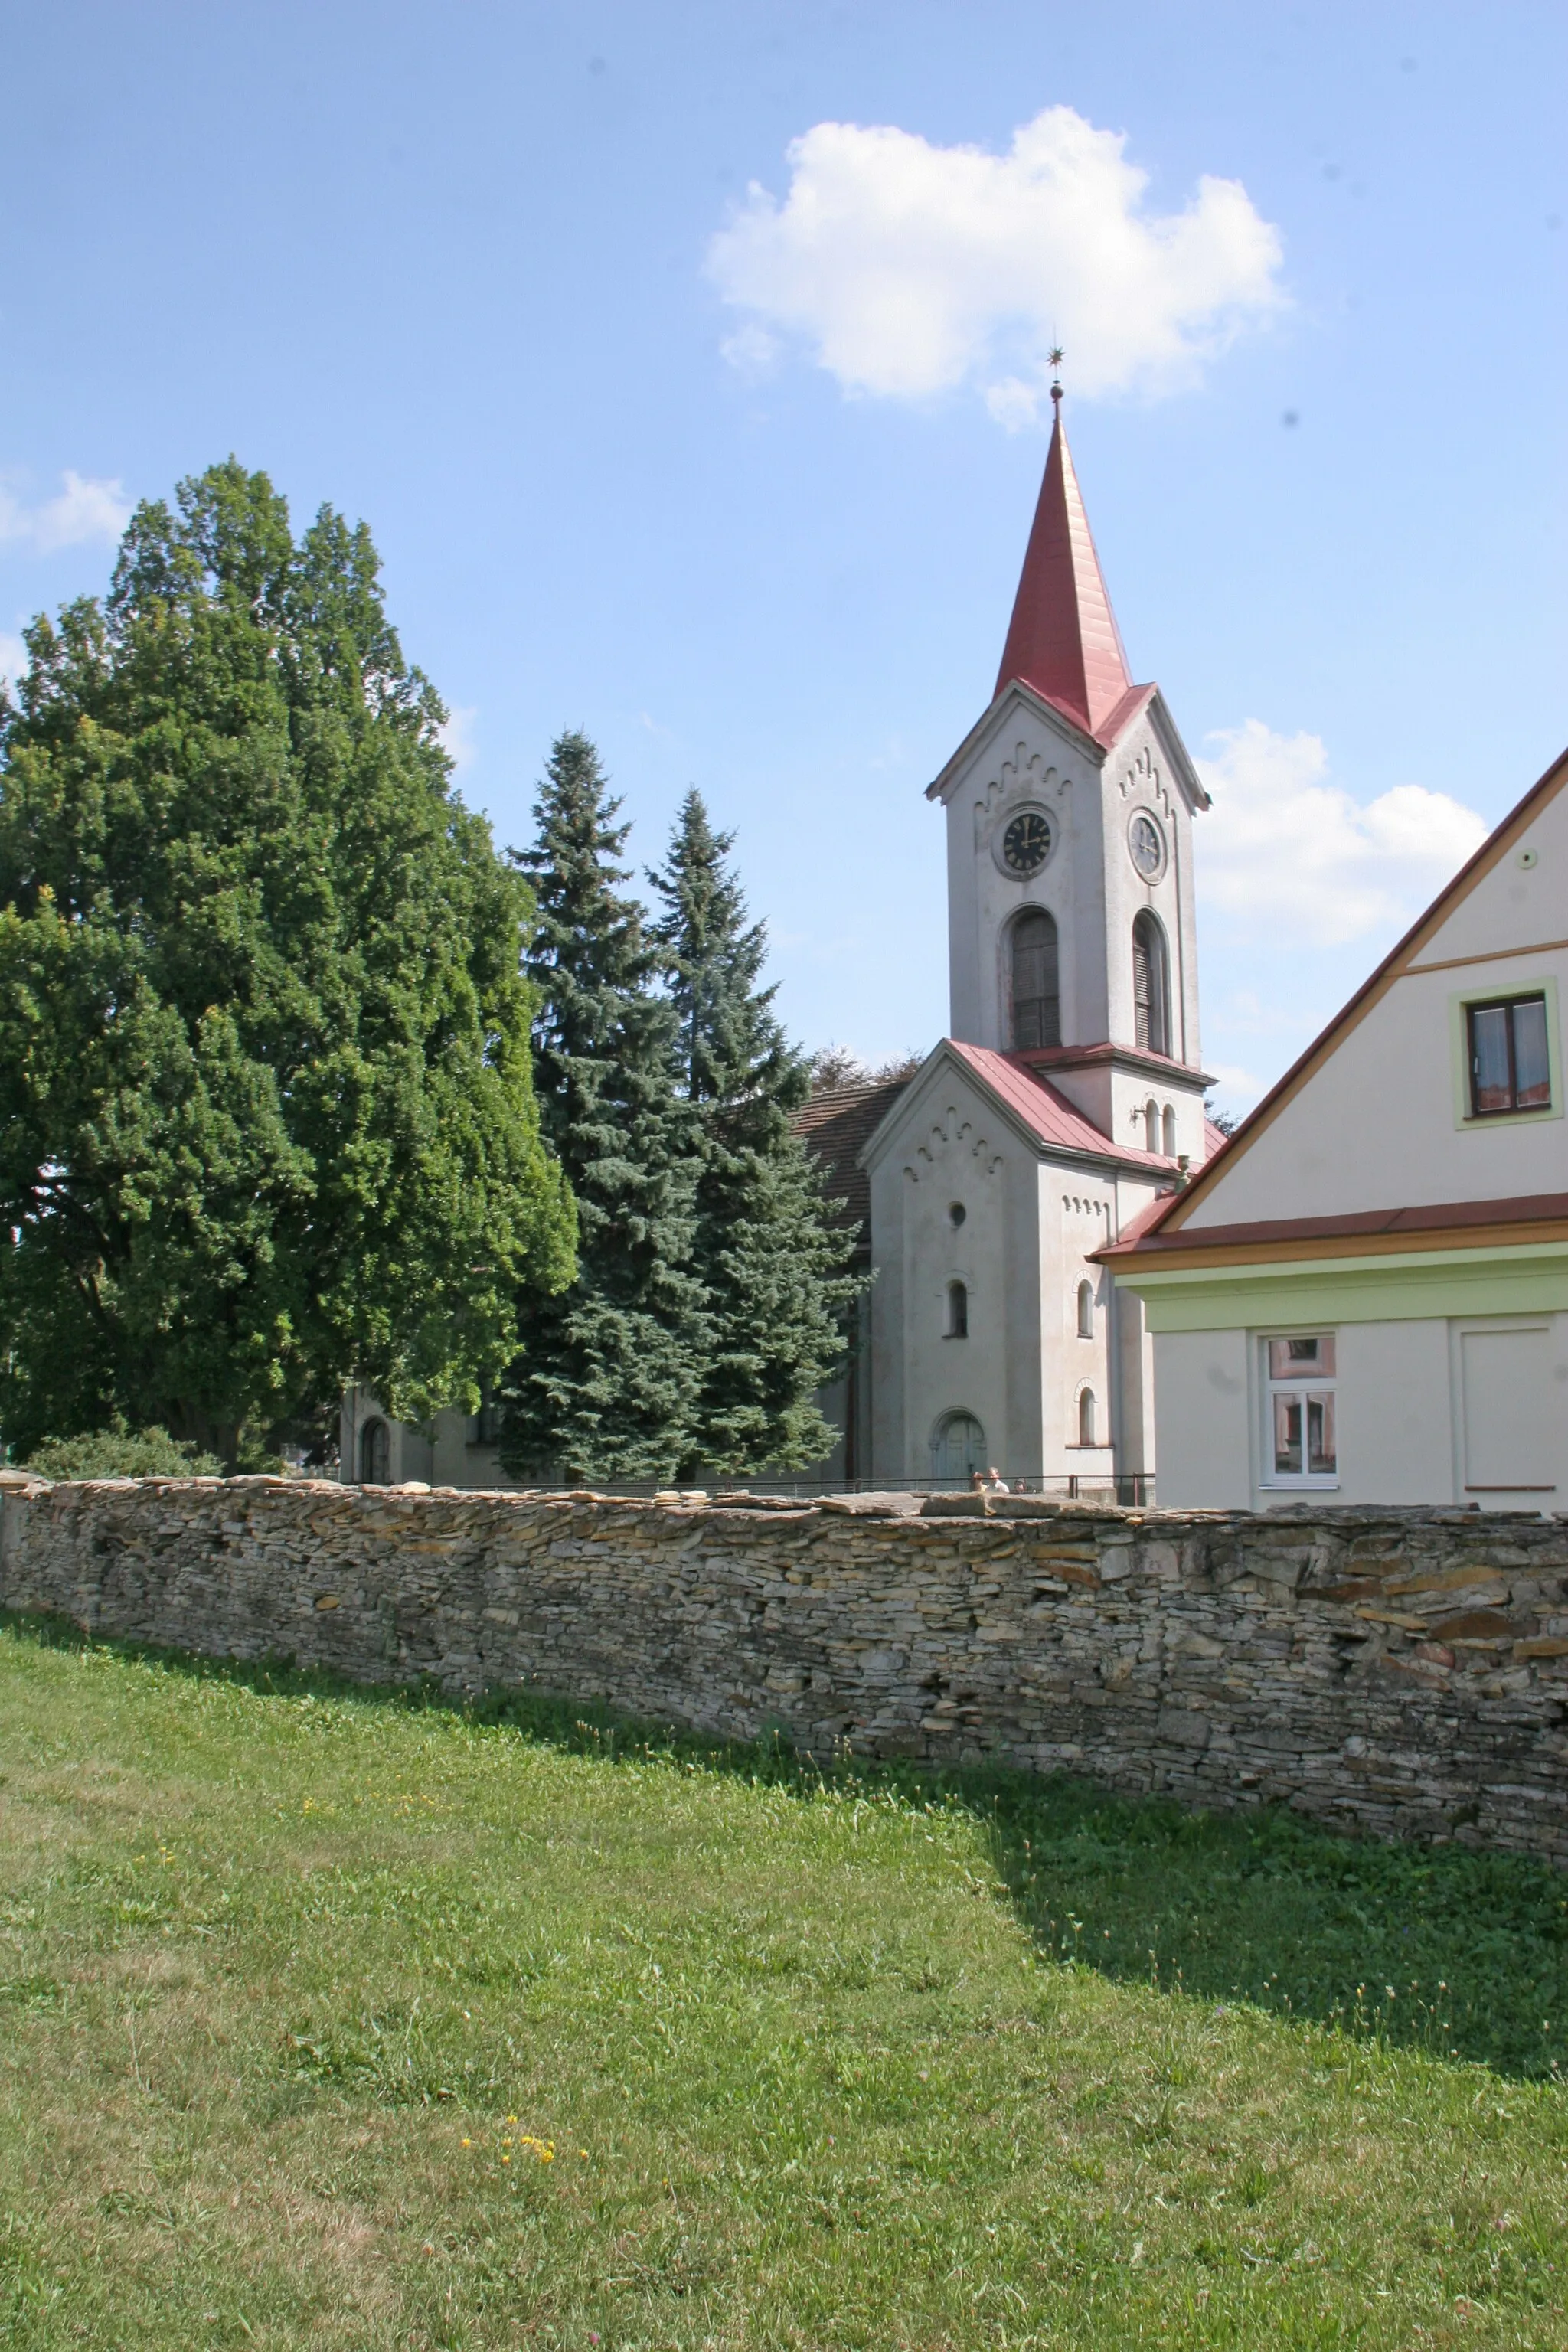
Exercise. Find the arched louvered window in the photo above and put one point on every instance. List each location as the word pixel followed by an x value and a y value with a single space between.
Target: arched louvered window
pixel 374 1454
pixel 1151 986
pixel 1037 999
pixel 1086 1310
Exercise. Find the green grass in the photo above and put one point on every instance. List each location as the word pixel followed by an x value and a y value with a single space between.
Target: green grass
pixel 334 2020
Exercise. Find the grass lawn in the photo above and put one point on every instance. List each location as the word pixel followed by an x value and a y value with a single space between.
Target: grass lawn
pixel 336 2020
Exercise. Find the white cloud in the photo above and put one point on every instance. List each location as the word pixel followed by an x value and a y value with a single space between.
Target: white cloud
pixel 13 658
pixel 1288 857
pixel 85 510
pixel 460 735
pixel 912 269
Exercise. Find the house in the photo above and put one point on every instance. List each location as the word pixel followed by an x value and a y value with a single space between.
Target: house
pixel 1366 1295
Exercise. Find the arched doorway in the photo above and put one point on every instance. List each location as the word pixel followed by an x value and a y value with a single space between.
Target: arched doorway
pixel 957 1449
pixel 374 1454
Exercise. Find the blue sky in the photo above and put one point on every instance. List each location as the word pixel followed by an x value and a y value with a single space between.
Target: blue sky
pixel 751 512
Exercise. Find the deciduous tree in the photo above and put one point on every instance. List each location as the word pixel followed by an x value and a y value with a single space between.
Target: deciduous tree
pixel 266 1119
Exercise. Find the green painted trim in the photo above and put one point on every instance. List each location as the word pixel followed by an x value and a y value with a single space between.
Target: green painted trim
pixel 1501 1255
pixel 1500 992
pixel 1379 1291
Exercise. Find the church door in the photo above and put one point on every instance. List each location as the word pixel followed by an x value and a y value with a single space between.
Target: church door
pixel 957 1449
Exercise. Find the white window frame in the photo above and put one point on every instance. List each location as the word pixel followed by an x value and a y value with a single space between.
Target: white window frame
pixel 1306 1387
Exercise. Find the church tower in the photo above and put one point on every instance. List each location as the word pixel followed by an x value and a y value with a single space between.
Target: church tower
pixel 1068 1097
pixel 1070 806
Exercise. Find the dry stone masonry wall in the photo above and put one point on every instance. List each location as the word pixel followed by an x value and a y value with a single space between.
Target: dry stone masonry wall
pixel 1401 1672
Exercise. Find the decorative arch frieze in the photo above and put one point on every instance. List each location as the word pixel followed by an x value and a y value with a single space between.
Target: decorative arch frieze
pixel 953 1133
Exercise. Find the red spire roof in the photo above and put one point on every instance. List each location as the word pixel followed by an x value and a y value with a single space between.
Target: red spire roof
pixel 1063 639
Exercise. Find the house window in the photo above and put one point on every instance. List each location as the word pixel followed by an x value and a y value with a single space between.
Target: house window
pixel 1036 998
pixel 1511 1060
pixel 374 1454
pixel 1086 1418
pixel 957 1311
pixel 1168 1132
pixel 1299 1448
pixel 957 1449
pixel 1086 1310
pixel 1151 985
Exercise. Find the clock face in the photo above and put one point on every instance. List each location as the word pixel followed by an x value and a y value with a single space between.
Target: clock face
pixel 1026 844
pixel 1147 846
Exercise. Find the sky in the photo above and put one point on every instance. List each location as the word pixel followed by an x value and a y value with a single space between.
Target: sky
pixel 687 363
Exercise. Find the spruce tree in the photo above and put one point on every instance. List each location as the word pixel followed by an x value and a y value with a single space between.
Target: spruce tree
pixel 610 1369
pixel 771 1259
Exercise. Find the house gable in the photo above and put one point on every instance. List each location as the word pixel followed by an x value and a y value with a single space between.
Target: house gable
pixel 1373 1116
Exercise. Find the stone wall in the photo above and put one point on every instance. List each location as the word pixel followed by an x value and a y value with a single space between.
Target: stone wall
pixel 1404 1672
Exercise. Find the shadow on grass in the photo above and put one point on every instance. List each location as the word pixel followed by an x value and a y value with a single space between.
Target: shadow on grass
pixel 1437 1948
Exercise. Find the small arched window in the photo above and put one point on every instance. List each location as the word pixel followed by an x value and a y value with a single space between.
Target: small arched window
pixel 1151 986
pixel 1037 997
pixel 1168 1132
pixel 374 1454
pixel 957 1449
pixel 1086 1310
pixel 1152 1126
pixel 957 1311
pixel 1085 1429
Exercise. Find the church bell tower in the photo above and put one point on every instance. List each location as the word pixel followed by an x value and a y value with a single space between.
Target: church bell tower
pixel 1072 941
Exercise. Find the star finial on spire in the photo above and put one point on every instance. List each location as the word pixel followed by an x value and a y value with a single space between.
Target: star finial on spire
pixel 1054 359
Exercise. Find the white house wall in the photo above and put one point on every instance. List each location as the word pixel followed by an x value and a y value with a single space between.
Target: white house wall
pixel 1377 1126
pixel 1437 1409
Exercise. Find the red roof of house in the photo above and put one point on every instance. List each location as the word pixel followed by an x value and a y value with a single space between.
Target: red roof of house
pixel 1063 639
pixel 1046 1113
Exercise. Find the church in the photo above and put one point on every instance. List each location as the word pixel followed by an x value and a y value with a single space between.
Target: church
pixel 1069 1096
pixel 1066 1099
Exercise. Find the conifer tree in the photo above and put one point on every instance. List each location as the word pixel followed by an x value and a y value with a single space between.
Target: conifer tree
pixel 772 1262
pixel 609 1370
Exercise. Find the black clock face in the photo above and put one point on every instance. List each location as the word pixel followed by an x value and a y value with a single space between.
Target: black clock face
pixel 1026 844
pixel 1147 846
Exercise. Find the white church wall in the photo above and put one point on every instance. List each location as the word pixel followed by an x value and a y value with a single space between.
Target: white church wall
pixel 1025 760
pixel 1139 780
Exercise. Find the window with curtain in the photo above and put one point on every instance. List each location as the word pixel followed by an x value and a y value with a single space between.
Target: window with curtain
pixel 1151 986
pixel 1037 999
pixel 1511 1057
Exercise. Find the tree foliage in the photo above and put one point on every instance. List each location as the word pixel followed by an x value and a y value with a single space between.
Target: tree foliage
pixel 771 1264
pixel 267 1119
pixel 610 1369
